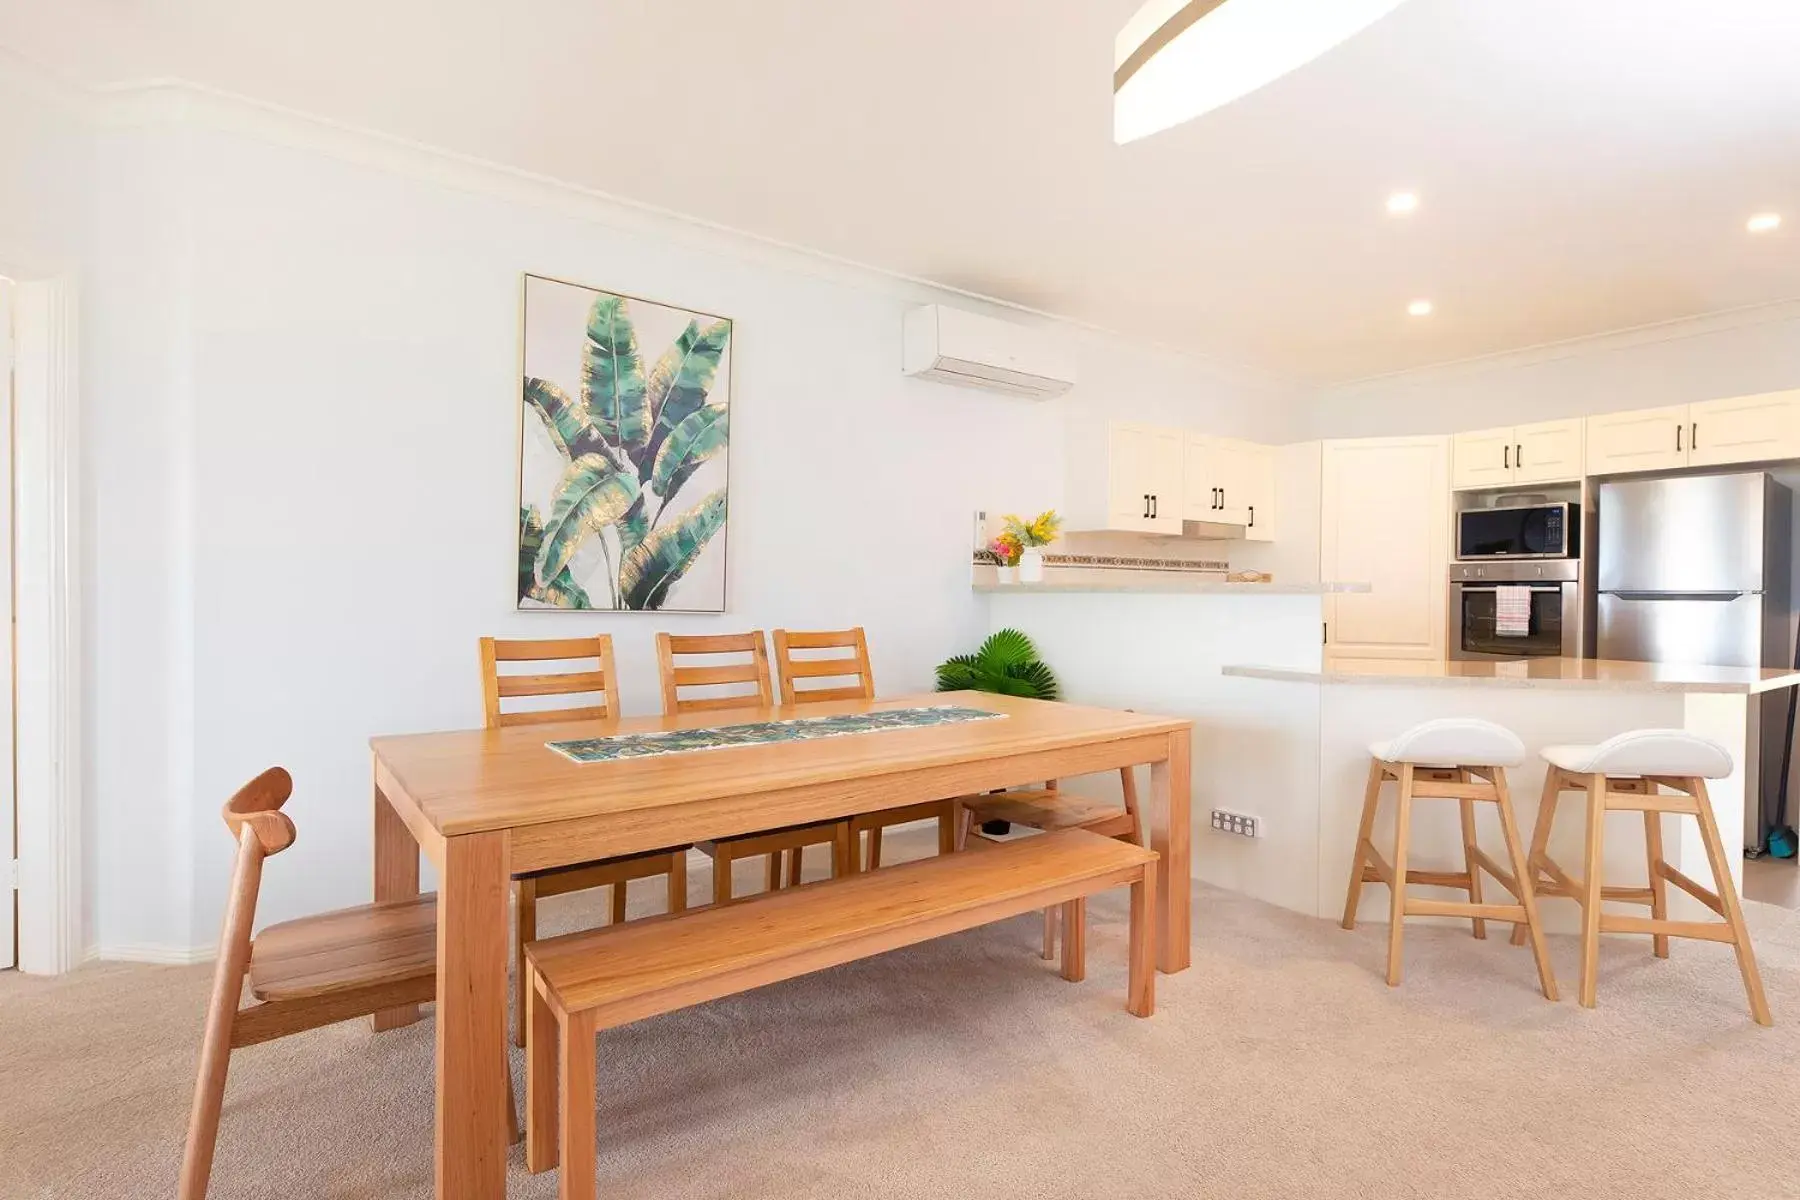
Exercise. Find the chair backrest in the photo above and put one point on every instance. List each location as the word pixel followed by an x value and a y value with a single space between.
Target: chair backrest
pixel 842 666
pixel 600 679
pixel 254 816
pixel 753 670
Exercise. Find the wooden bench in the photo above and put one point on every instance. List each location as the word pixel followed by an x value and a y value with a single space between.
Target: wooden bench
pixel 606 977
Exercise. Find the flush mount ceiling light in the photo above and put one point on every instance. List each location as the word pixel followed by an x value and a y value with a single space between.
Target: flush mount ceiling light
pixel 1403 204
pixel 1763 222
pixel 1419 308
pixel 1177 59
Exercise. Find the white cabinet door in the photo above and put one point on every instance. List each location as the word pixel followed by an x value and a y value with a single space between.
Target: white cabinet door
pixel 1482 459
pixel 1384 520
pixel 1201 478
pixel 1549 452
pixel 1255 477
pixel 1128 477
pixel 1164 481
pixel 1744 429
pixel 1649 439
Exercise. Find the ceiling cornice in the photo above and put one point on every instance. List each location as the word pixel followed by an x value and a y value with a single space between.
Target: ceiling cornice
pixel 175 100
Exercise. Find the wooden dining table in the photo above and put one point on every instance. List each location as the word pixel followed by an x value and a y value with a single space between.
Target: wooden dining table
pixel 485 804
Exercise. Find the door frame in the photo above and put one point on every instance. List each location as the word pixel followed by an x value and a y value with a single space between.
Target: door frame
pixel 48 618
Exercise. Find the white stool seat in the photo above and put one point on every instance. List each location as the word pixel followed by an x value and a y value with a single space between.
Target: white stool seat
pixel 1453 742
pixel 1646 752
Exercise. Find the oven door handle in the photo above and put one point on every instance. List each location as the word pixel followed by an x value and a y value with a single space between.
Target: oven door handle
pixel 1494 587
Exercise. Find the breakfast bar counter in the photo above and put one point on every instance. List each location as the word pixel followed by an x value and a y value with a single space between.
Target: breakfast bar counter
pixel 1586 674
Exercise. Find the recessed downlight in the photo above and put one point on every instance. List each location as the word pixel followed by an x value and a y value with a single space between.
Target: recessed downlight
pixel 1403 204
pixel 1763 222
pixel 1419 308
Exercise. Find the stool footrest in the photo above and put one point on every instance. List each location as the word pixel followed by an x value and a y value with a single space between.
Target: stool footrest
pixel 1644 802
pixel 1709 931
pixel 1443 879
pixel 1457 908
pixel 1704 895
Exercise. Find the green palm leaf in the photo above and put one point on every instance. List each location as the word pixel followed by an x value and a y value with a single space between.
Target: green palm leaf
pixel 648 572
pixel 688 445
pixel 566 421
pixel 1007 664
pixel 612 378
pixel 679 383
pixel 593 494
pixel 562 591
pixel 634 526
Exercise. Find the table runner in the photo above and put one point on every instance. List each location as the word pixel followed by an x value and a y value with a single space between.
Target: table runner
pixel 761 733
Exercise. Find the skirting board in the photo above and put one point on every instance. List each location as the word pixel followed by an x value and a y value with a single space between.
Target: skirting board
pixel 167 956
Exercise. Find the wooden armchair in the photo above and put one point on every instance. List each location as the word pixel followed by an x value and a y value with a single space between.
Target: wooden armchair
pixel 601 680
pixel 315 971
pixel 790 842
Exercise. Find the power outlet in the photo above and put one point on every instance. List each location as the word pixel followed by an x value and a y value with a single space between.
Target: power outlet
pixel 1226 821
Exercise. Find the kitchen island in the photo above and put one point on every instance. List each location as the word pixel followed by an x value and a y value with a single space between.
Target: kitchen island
pixel 1546 701
pixel 1281 732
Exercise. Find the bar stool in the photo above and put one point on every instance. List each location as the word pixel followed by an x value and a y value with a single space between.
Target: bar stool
pixel 1629 773
pixel 1461 759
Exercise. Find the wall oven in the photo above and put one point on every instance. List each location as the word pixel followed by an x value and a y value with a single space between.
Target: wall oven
pixel 1515 610
pixel 1529 531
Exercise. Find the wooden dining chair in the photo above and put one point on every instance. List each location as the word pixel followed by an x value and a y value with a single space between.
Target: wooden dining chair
pixel 596 677
pixel 800 684
pixel 303 974
pixel 1049 808
pixel 745 684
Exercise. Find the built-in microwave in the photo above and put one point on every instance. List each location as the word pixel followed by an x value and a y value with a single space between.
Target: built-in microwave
pixel 1528 531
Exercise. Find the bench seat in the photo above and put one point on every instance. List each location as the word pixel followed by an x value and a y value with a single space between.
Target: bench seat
pixel 606 977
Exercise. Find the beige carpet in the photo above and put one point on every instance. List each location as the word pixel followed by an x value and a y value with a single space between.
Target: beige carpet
pixel 1279 1066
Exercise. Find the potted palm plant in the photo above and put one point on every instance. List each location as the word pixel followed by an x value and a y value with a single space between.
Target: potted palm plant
pixel 1006 664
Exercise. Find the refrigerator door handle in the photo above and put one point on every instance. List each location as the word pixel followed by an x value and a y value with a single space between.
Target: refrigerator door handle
pixel 1720 596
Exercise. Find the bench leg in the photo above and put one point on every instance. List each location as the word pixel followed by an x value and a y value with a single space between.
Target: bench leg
pixel 796 862
pixel 1140 986
pixel 1074 940
pixel 678 881
pixel 772 879
pixel 575 1137
pixel 1049 951
pixel 541 1053
pixel 618 902
pixel 722 873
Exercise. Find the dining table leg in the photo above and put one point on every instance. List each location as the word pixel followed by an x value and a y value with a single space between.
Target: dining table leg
pixel 396 878
pixel 1170 832
pixel 472 1067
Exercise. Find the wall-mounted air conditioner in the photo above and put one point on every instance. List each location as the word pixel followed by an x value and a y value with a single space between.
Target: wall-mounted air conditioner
pixel 970 350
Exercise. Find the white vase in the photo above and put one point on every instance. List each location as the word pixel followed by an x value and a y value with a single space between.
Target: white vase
pixel 1031 565
pixel 1006 574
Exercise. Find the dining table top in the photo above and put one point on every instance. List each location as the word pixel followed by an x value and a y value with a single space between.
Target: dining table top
pixel 478 780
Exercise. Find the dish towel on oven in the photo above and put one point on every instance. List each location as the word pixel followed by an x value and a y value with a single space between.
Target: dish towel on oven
pixel 1512 612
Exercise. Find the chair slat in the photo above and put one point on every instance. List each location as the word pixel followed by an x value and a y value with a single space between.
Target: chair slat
pixel 822 668
pixel 715 643
pixel 549 716
pixel 820 695
pixel 822 640
pixel 709 676
pixel 567 683
pixel 538 651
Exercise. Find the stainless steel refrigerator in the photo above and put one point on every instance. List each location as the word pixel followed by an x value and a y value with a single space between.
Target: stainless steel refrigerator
pixel 1695 570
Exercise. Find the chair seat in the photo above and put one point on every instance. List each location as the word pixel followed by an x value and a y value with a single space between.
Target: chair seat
pixel 1646 752
pixel 787 837
pixel 345 950
pixel 1453 742
pixel 1047 810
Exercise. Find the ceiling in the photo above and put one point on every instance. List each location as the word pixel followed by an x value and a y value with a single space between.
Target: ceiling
pixel 1584 165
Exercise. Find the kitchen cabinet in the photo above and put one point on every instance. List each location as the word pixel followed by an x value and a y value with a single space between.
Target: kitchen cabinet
pixel 1136 488
pixel 1744 429
pixel 1385 519
pixel 1738 429
pixel 1231 482
pixel 1547 452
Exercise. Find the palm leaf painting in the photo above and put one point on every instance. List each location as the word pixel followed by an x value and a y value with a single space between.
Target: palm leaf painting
pixel 608 509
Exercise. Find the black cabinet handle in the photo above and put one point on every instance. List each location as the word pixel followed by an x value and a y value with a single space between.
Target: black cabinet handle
pixel 1505 457
pixel 1678 439
pixel 1153 505
pixel 1146 506
pixel 1252 516
pixel 1519 455
pixel 1694 436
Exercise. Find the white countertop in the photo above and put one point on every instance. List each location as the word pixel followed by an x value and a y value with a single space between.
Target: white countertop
pixel 1163 585
pixel 1599 674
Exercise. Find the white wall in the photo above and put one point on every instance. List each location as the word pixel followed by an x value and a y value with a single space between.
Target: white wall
pixel 304 415
pixel 1734 355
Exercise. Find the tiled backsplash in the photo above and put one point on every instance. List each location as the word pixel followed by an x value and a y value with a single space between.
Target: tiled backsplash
pixel 1076 555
